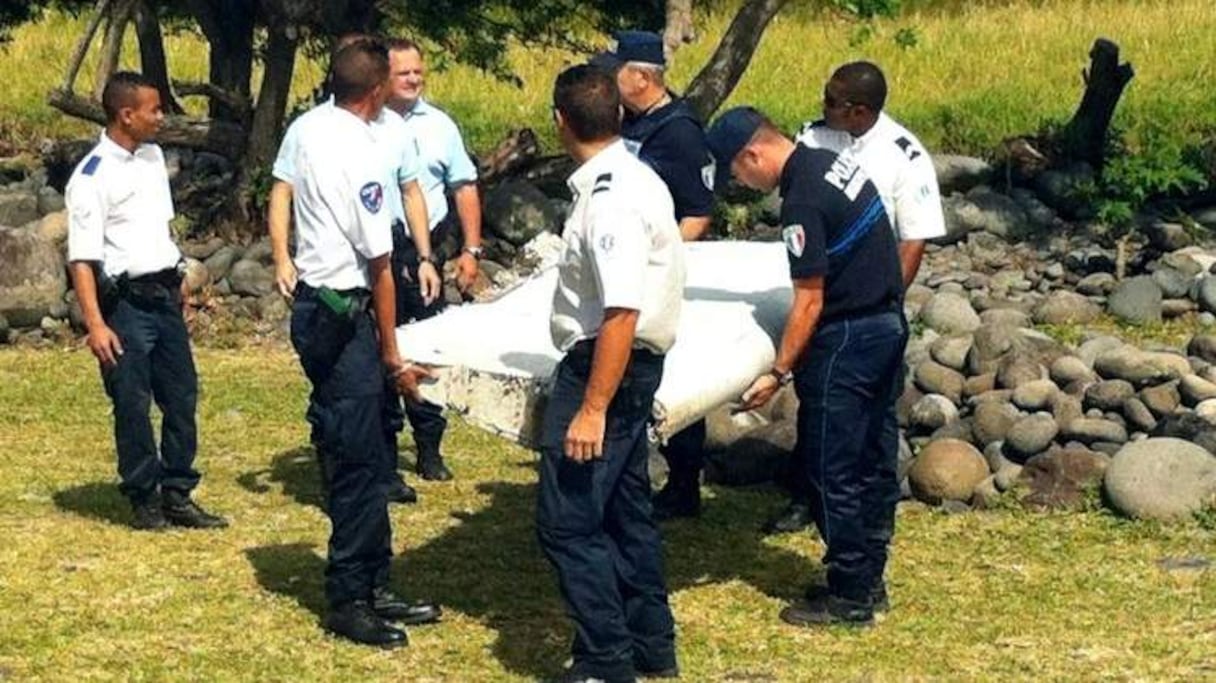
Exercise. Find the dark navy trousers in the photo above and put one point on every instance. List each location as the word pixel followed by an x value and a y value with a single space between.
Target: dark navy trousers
pixel 156 364
pixel 848 443
pixel 594 524
pixel 426 419
pixel 340 356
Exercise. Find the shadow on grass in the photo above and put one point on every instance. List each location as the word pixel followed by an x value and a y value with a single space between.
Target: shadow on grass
pixel 295 470
pixel 98 500
pixel 491 567
pixel 291 569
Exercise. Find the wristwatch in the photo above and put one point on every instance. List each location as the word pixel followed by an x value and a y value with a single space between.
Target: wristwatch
pixel 475 252
pixel 783 378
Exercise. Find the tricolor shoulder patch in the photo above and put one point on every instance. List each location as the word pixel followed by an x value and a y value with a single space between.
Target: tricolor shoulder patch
pixel 795 239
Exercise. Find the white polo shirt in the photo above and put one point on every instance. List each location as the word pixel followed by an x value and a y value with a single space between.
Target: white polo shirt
pixel 338 200
pixel 396 152
pixel 119 208
pixel 623 250
pixel 445 161
pixel 899 167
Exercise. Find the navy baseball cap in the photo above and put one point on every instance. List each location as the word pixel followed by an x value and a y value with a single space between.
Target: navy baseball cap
pixel 729 134
pixel 632 46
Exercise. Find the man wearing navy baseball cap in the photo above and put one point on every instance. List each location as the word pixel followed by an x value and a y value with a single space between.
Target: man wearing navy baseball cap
pixel 665 133
pixel 842 348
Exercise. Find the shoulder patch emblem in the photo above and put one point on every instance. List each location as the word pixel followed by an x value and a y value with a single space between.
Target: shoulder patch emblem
pixel 795 239
pixel 372 196
pixel 708 171
pixel 90 166
pixel 906 145
pixel 607 242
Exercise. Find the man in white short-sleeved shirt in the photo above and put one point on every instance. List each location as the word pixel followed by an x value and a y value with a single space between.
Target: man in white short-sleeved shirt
pixel 125 270
pixel 615 312
pixel 896 162
pixel 347 350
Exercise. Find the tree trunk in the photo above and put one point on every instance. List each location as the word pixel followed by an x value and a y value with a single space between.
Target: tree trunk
pixel 152 56
pixel 714 83
pixel 679 28
pixel 1085 135
pixel 120 16
pixel 228 26
pixel 82 45
pixel 280 59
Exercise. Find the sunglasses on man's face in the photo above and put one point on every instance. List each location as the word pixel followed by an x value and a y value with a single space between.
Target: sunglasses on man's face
pixel 831 102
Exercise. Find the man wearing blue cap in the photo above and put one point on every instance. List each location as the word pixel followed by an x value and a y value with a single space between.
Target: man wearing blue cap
pixel 664 132
pixel 842 348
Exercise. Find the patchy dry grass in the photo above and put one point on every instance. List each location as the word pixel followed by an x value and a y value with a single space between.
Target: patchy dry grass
pixel 982 596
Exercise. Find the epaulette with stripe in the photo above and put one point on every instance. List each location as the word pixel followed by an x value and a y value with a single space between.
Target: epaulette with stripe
pixel 90 166
pixel 602 183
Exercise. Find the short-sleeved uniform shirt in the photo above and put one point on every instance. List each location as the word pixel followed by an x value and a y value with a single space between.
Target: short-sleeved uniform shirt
pixel 119 207
pixel 900 168
pixel 834 225
pixel 671 140
pixel 338 200
pixel 445 163
pixel 622 250
pixel 395 151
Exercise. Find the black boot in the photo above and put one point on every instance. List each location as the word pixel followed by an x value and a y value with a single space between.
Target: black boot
pixel 148 514
pixel 882 602
pixel 180 510
pixel 680 497
pixel 390 607
pixel 399 491
pixel 430 463
pixel 793 517
pixel 356 621
pixel 828 610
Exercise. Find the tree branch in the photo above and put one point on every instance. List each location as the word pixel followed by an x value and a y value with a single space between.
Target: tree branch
pixel 120 16
pixel 152 55
pixel 82 46
pixel 233 101
pixel 714 83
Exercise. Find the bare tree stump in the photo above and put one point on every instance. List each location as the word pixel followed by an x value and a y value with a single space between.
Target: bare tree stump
pixel 517 150
pixel 1084 138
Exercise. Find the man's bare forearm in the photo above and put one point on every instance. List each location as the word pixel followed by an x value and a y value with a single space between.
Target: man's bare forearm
pixel 612 350
pixel 384 304
pixel 910 254
pixel 693 228
pixel 416 217
pixel 278 220
pixel 85 285
pixel 801 322
pixel 468 209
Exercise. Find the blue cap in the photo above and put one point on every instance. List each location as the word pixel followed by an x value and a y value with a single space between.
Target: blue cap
pixel 632 46
pixel 729 134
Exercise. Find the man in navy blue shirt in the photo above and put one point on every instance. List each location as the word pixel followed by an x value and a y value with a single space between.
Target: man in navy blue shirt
pixel 662 129
pixel 842 347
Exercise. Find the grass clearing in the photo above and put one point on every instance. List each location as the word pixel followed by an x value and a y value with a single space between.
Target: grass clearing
pixel 980 72
pixel 980 596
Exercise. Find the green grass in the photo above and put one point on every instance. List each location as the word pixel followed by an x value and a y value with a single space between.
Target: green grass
pixel 980 596
pixel 980 72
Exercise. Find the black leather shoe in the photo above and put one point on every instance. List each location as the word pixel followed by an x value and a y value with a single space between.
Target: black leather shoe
pixel 390 607
pixel 148 515
pixel 356 621
pixel 667 672
pixel 676 501
pixel 431 468
pixel 882 603
pixel 794 517
pixel 401 492
pixel 179 510
pixel 828 610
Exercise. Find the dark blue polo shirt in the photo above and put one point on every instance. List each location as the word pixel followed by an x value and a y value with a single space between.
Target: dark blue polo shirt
pixel 834 225
pixel 671 140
